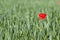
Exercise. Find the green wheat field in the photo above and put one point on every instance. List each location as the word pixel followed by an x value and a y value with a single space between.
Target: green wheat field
pixel 19 20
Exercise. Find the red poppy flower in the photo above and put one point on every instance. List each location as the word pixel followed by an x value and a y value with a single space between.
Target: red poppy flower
pixel 42 16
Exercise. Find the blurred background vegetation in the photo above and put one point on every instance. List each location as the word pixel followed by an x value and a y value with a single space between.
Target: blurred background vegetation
pixel 19 20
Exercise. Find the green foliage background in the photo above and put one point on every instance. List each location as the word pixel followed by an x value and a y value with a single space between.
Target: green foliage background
pixel 19 20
